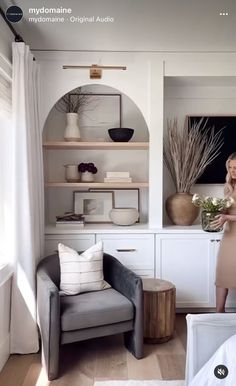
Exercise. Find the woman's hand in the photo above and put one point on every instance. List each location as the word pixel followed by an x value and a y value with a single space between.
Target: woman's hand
pixel 219 221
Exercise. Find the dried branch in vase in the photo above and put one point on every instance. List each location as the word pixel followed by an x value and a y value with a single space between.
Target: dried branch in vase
pixel 188 150
pixel 73 102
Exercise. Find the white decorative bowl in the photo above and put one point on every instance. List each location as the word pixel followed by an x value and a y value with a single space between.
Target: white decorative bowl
pixel 124 216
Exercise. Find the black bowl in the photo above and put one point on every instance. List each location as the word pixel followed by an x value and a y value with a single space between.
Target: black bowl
pixel 121 134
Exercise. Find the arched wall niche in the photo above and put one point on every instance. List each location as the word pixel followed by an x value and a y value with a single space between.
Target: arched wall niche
pixel 134 161
pixel 127 92
pixel 131 116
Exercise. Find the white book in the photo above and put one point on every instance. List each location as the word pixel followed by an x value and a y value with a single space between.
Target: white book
pixel 117 174
pixel 117 179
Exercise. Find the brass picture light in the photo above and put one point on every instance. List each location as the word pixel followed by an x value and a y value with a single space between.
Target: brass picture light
pixel 95 69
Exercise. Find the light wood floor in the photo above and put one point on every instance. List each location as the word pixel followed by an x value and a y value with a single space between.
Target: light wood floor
pixel 105 358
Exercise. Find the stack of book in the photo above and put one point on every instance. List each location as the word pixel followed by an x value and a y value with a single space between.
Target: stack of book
pixel 70 219
pixel 117 177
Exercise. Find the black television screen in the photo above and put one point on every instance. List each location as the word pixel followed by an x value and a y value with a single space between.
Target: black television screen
pixel 215 172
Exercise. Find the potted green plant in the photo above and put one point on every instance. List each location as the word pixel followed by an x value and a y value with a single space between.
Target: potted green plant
pixel 187 152
pixel 72 103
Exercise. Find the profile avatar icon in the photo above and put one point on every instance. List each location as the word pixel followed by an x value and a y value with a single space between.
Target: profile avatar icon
pixel 14 14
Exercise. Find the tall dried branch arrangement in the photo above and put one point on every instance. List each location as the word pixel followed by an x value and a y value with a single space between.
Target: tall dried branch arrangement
pixel 73 102
pixel 189 150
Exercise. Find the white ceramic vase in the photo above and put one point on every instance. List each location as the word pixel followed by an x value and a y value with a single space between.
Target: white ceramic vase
pixel 87 177
pixel 72 131
pixel 71 173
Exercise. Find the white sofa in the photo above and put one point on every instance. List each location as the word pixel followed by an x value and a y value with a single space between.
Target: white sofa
pixel 205 333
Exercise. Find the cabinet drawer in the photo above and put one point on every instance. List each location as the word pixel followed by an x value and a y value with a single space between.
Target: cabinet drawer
pixel 78 242
pixel 134 251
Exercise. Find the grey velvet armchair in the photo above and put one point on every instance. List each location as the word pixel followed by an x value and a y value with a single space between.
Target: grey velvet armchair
pixel 67 319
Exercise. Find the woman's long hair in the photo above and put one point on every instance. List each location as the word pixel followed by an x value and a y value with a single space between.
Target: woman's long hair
pixel 229 186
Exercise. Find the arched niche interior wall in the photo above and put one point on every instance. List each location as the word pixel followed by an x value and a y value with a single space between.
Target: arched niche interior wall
pixel 131 116
pixel 134 161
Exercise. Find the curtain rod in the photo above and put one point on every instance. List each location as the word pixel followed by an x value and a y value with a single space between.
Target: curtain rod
pixel 18 38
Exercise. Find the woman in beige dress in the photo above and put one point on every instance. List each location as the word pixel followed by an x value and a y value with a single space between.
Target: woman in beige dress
pixel 226 261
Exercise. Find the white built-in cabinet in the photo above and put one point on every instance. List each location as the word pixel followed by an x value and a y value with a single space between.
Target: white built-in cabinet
pixel 188 260
pixel 136 251
pixel 79 242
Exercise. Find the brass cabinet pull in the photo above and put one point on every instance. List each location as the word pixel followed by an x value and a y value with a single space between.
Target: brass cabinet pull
pixel 126 249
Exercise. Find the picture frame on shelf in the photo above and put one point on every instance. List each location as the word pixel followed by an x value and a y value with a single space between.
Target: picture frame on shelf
pixel 95 206
pixel 124 198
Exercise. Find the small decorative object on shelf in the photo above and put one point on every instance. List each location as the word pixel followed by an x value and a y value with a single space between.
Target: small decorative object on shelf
pixel 87 171
pixel 124 216
pixel 72 131
pixel 212 207
pixel 117 177
pixel 121 134
pixel 95 206
pixel 72 103
pixel 71 173
pixel 70 218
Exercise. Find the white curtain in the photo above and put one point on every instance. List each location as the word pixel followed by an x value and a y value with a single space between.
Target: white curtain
pixel 27 206
pixel 5 125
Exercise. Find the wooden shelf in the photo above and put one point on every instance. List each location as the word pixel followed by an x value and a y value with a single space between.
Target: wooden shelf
pixel 96 145
pixel 105 185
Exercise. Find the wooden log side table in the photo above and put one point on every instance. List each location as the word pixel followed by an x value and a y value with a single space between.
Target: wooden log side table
pixel 159 310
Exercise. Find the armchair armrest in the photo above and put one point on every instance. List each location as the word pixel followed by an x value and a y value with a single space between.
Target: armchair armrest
pixel 130 285
pixel 205 334
pixel 48 309
pixel 121 278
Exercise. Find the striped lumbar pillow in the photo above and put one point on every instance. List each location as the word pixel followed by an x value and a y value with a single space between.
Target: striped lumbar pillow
pixel 81 272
